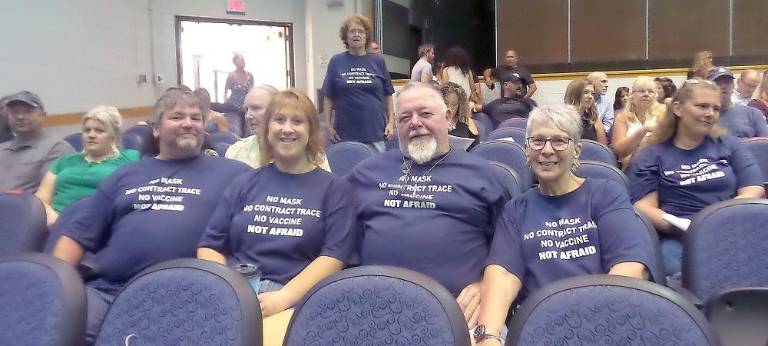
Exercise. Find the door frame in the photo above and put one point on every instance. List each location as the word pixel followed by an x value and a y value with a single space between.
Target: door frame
pixel 286 25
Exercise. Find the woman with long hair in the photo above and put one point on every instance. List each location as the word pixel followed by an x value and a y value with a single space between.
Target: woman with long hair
pixel 688 163
pixel 702 64
pixel 760 99
pixel 637 120
pixel 291 219
pixel 665 88
pixel 620 99
pixel 581 94
pixel 457 69
pixel 461 123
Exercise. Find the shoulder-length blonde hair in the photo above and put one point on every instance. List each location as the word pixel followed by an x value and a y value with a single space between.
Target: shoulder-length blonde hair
pixel 646 83
pixel 573 94
pixel 110 118
pixel 293 98
pixel 669 124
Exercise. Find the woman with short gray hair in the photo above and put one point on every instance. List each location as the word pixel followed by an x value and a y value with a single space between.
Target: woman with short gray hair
pixel 568 226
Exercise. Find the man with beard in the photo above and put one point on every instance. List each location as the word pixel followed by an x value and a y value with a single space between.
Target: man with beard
pixel 510 104
pixel 429 207
pixel 150 211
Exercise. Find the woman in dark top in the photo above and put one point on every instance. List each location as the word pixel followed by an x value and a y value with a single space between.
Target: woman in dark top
pixel 620 99
pixel 461 121
pixel 239 82
pixel 581 94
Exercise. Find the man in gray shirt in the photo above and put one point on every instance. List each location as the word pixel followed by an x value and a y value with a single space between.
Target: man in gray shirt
pixel 740 121
pixel 422 70
pixel 604 105
pixel 25 158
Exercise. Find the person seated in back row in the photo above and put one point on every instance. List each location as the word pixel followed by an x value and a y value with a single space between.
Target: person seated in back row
pixel 566 227
pixel 511 104
pixel 290 218
pixel 428 207
pixel 76 175
pixel 740 121
pixel 150 211
pixel 26 157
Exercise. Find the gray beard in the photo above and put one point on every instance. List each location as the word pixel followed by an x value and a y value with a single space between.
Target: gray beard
pixel 422 149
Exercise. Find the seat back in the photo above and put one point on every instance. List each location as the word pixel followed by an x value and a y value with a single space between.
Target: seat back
pixel 517 134
pixel 136 137
pixel 510 154
pixel 482 131
pixel 184 302
pixel 739 316
pixel 608 309
pixel 520 123
pixel 656 269
pixel 344 156
pixel 725 247
pixel 758 147
pixel 220 142
pixel 511 179
pixel 75 140
pixel 602 170
pixel 42 302
pixel 596 151
pixel 23 226
pixel 484 119
pixel 373 305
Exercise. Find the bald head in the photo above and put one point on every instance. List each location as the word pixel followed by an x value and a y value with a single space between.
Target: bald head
pixel 747 83
pixel 511 58
pixel 599 80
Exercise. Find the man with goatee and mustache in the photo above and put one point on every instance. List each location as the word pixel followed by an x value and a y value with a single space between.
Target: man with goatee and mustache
pixel 150 211
pixel 429 207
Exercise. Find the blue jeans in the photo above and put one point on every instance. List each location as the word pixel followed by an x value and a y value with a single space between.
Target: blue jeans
pixel 671 254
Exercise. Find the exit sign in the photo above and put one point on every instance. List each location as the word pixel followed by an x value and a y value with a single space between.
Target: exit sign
pixel 236 6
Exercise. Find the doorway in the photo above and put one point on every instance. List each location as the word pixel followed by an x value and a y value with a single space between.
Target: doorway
pixel 205 48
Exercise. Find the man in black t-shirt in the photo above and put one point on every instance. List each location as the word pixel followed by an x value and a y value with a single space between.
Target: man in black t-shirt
pixel 511 104
pixel 509 66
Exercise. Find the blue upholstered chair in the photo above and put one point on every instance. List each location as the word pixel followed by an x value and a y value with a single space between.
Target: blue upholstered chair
pixel 23 226
pixel 510 154
pixel 517 134
pixel 75 140
pixel 484 119
pixel 184 302
pixel 511 178
pixel 758 147
pixel 520 123
pixel 656 268
pixel 482 131
pixel 596 151
pixel 344 156
pixel 608 310
pixel 42 302
pixel 136 137
pixel 220 142
pixel 597 169
pixel 740 315
pixel 725 247
pixel 374 305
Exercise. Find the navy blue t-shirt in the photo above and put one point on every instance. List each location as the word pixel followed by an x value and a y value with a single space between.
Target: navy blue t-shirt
pixel 150 211
pixel 690 180
pixel 358 86
pixel 282 222
pixel 438 222
pixel 542 239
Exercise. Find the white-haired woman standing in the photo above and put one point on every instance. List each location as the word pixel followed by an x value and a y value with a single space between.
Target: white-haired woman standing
pixel 566 227
pixel 76 175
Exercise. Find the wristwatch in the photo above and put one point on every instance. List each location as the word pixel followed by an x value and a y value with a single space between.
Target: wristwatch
pixel 481 335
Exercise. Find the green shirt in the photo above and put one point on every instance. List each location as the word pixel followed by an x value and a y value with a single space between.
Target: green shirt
pixel 77 178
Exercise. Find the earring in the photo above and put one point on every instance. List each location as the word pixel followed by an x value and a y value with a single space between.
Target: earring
pixel 575 164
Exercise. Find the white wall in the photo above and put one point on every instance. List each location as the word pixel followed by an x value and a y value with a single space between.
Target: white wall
pixel 163 29
pixel 322 32
pixel 77 54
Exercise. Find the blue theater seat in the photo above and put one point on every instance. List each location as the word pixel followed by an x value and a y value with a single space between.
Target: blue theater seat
pixel 23 226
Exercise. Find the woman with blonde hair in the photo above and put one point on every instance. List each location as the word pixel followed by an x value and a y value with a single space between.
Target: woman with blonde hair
pixel 76 175
pixel 461 123
pixel 688 163
pixel 254 225
pixel 581 94
pixel 637 120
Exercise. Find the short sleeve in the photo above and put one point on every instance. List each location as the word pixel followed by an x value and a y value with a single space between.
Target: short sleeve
pixel 216 234
pixel 56 166
pixel 622 235
pixel 745 167
pixel 90 227
pixel 761 128
pixel 389 89
pixel 131 155
pixel 328 88
pixel 506 247
pixel 341 239
pixel 643 174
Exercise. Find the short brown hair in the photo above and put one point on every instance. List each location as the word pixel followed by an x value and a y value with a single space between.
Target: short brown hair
pixel 170 99
pixel 293 98
pixel 425 48
pixel 356 19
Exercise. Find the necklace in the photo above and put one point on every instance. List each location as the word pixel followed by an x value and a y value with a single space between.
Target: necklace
pixel 409 178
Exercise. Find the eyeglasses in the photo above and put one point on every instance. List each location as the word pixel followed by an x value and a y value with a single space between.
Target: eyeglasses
pixel 357 31
pixel 538 143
